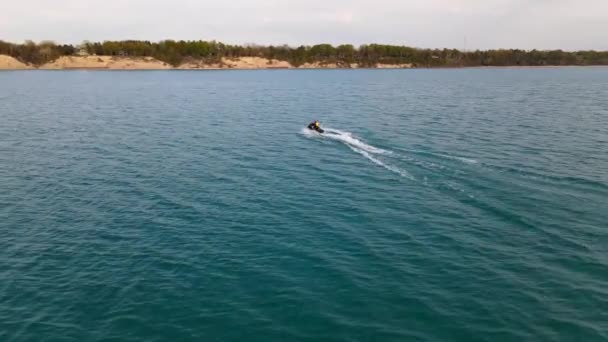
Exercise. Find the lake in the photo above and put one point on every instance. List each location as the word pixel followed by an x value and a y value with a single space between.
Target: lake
pixel 440 205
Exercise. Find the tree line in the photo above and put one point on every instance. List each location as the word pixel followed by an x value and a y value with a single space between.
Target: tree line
pixel 369 55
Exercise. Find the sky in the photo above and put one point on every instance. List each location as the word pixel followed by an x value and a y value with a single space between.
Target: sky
pixel 461 24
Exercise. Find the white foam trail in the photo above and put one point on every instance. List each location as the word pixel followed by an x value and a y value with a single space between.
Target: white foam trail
pixel 348 139
pixel 358 146
pixel 462 159
pixel 447 156
pixel 309 132
pixel 376 161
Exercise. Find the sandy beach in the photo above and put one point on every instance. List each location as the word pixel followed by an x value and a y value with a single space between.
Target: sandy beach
pixel 150 63
pixel 10 63
pixel 105 62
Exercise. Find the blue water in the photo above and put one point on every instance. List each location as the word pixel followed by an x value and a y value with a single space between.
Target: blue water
pixel 442 205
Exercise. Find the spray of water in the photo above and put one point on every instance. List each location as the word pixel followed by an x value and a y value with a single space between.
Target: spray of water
pixel 357 145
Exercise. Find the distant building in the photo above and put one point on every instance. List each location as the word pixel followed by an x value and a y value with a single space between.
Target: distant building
pixel 81 51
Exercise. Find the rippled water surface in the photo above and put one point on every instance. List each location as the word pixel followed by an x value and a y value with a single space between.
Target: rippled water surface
pixel 441 205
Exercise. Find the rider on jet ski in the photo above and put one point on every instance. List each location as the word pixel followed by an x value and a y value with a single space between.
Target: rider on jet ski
pixel 316 126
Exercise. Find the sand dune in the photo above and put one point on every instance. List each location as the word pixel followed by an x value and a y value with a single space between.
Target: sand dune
pixel 238 63
pixel 10 63
pixel 255 63
pixel 196 64
pixel 149 63
pixel 394 66
pixel 106 62
pixel 317 65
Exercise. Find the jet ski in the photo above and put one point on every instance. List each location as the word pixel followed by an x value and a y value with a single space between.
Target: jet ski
pixel 315 126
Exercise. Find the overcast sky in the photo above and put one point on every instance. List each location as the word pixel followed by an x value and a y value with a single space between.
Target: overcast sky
pixel 541 24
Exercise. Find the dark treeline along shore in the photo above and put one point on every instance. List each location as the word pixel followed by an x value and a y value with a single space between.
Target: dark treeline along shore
pixel 178 52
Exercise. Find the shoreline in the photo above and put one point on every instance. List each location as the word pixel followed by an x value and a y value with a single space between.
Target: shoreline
pixel 150 63
pixel 304 69
pixel 107 63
